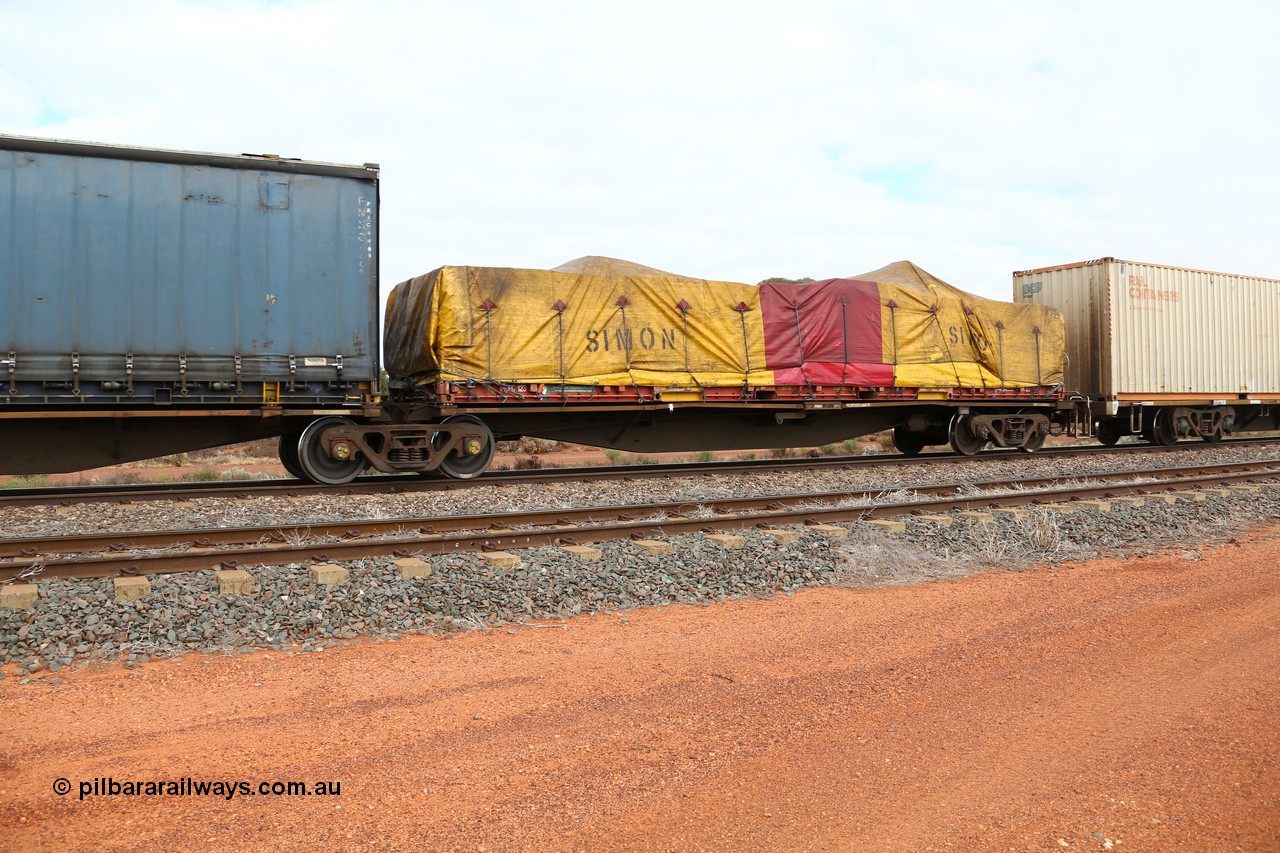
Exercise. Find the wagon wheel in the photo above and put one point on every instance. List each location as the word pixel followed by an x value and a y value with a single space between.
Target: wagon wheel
pixel 1035 440
pixel 1215 437
pixel 288 451
pixel 472 464
pixel 962 441
pixel 1163 430
pixel 316 463
pixel 1107 432
pixel 1149 427
pixel 908 443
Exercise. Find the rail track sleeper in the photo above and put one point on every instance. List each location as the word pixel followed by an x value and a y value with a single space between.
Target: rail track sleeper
pixel 89 567
pixel 976 515
pixel 18 596
pixel 408 567
pixel 654 546
pixel 233 582
pixel 329 575
pixel 585 553
pixel 886 525
pixel 131 588
pixel 831 531
pixel 502 560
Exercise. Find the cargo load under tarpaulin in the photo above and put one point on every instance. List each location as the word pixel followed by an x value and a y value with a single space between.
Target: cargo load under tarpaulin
pixel 602 322
pixel 936 335
pixel 630 328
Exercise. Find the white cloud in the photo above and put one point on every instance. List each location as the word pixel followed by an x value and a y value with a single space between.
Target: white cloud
pixel 729 140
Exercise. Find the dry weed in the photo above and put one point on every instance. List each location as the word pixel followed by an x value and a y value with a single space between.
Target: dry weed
pixel 880 561
pixel 1037 538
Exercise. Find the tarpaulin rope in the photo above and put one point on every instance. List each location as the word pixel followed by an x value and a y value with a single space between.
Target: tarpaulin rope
pixel 685 308
pixel 844 334
pixel 795 308
pixel 942 336
pixel 742 308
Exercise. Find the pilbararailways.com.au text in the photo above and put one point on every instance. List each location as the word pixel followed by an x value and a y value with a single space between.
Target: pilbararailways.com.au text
pixel 106 786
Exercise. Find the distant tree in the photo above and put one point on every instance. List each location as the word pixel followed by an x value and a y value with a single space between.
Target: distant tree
pixel 777 279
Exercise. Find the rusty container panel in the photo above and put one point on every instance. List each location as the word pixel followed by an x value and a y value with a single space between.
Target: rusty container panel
pixel 1160 333
pixel 138 273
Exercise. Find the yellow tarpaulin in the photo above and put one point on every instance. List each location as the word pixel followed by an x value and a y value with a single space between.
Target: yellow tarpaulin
pixel 612 323
pixel 937 335
pixel 600 321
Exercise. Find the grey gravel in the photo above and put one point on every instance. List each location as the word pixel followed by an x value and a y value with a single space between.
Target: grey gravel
pixel 75 621
pixel 222 511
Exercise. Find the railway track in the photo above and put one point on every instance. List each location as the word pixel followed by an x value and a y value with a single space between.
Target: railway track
pixel 104 555
pixel 412 483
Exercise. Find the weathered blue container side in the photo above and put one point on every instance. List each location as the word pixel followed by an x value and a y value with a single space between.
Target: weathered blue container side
pixel 132 274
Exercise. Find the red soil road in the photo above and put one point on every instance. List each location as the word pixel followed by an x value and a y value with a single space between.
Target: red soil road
pixel 1116 705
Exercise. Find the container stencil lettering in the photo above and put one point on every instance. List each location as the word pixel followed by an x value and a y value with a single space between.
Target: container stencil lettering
pixel 1138 289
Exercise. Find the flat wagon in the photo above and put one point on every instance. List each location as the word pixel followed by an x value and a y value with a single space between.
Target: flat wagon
pixel 610 353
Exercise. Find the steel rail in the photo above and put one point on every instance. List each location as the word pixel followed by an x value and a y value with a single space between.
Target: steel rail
pixel 618 522
pixel 381 484
pixel 209 537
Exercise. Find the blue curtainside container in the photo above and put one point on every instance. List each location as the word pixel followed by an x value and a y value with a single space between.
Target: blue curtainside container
pixel 134 277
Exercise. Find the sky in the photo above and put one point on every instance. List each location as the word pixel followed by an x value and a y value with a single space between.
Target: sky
pixel 724 140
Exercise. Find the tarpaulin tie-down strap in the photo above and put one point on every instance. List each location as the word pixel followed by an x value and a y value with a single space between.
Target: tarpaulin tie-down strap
pixel 933 310
pixel 487 306
pixel 559 309
pixel 684 307
pixel 622 304
pixel 742 308
pixel 892 305
pixel 844 338
pixel 1036 332
pixel 804 355
pixel 1000 337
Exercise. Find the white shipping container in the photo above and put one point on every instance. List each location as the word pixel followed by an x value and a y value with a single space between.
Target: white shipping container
pixel 1150 334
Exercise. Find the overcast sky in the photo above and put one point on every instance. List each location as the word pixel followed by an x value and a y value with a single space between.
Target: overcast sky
pixel 727 140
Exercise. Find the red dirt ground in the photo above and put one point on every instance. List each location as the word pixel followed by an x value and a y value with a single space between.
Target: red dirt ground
pixel 1118 705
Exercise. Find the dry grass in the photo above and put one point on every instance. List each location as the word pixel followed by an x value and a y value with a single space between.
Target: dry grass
pixel 527 445
pixel 1038 539
pixel 300 537
pixel 880 560
pixel 27 481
